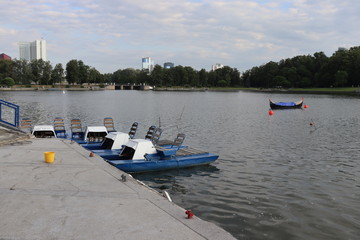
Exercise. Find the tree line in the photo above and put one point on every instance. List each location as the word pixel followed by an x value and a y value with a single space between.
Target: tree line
pixel 41 72
pixel 342 69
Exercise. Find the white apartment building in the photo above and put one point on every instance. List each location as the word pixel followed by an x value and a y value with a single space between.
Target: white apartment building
pixel 147 64
pixel 216 66
pixel 33 50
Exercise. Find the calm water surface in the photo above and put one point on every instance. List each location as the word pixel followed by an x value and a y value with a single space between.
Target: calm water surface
pixel 277 176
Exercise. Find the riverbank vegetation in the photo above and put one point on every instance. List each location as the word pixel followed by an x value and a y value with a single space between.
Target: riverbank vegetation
pixel 340 70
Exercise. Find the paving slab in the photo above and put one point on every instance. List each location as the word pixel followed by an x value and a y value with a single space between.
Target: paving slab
pixel 83 197
pixel 9 135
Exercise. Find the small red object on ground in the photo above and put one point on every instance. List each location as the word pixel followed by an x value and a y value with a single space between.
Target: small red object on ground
pixel 189 214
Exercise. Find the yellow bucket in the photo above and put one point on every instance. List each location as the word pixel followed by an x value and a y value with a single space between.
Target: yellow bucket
pixel 49 157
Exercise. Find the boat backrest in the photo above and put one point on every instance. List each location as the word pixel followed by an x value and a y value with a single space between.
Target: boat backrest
pixel 109 124
pixel 59 127
pixel 133 130
pixel 76 125
pixel 26 124
pixel 179 140
pixel 76 128
pixel 150 132
pixel 156 136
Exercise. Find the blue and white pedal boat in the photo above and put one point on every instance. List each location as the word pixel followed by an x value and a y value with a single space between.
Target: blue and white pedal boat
pixel 113 140
pixel 141 155
pixel 111 146
pixel 92 135
pixel 43 131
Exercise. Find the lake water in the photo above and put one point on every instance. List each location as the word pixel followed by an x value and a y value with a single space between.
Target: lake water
pixel 277 176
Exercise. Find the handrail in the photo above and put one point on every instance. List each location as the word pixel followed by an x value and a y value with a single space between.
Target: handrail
pixel 16 122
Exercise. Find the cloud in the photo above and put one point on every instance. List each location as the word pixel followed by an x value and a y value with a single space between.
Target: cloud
pixel 115 34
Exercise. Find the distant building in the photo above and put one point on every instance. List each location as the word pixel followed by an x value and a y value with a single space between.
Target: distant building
pixel 216 66
pixel 32 50
pixel 147 64
pixel 168 65
pixel 3 56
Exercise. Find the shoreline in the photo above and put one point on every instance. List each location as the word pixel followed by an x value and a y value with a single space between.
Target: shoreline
pixel 335 91
pixel 347 91
pixel 51 89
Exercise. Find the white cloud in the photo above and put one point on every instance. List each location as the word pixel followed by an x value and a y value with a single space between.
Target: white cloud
pixel 115 34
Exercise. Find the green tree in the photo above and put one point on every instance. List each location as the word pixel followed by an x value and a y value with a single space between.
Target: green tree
pixel 21 72
pixel 191 77
pixel 83 72
pixel 354 66
pixel 235 78
pixel 5 68
pixel 8 81
pixel 36 66
pixel 95 76
pixel 281 81
pixel 46 73
pixel 156 76
pixel 72 72
pixel 57 74
pixel 291 75
pixel 203 78
pixel 126 76
pixel 340 78
pixel 270 71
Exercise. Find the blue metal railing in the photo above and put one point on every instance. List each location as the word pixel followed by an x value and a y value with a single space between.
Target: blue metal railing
pixel 15 122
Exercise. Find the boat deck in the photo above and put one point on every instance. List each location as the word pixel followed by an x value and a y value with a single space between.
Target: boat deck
pixel 189 151
pixel 165 142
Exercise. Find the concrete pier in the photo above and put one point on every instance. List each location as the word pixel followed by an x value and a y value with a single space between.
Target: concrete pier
pixel 82 197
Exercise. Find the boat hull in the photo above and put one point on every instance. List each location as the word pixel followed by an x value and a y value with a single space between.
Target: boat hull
pixel 286 105
pixel 143 165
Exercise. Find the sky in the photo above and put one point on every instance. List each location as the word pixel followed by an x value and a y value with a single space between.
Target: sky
pixel 115 34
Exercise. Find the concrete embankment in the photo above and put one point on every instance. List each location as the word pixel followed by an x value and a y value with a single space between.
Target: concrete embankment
pixel 82 197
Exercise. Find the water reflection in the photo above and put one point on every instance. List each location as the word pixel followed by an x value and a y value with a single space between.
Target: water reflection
pixel 168 180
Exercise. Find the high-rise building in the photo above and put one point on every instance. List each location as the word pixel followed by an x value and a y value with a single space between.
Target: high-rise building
pixel 216 66
pixel 168 65
pixel 3 56
pixel 32 50
pixel 147 64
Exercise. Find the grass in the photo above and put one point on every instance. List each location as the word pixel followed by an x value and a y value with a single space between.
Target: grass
pixel 348 89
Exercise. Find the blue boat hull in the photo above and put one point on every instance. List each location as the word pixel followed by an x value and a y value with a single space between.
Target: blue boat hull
pixel 286 105
pixel 113 154
pixel 108 154
pixel 91 146
pixel 136 166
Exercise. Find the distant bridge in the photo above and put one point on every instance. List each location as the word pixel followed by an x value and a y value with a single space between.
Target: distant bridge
pixel 132 87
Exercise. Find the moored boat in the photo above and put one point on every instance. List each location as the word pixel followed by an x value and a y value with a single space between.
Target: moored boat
pixel 111 146
pixel 286 105
pixel 43 131
pixel 115 141
pixel 141 155
pixel 92 134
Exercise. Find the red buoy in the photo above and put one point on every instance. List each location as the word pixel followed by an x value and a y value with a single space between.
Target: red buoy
pixel 306 106
pixel 271 112
pixel 311 123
